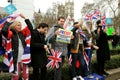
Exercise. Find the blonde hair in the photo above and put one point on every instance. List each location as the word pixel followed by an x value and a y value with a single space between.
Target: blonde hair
pixel 15 23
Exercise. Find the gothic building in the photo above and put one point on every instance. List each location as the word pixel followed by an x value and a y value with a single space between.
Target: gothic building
pixel 69 8
pixel 66 9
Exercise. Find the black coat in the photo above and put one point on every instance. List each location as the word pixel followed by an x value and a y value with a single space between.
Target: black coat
pixel 38 53
pixel 103 53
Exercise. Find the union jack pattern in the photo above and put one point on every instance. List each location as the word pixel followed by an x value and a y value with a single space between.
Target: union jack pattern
pixel 54 59
pixel 86 59
pixel 103 20
pixel 88 16
pixel 68 23
pixel 7 42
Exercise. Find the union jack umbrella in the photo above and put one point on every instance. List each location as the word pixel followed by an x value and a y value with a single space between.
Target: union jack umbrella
pixel 54 59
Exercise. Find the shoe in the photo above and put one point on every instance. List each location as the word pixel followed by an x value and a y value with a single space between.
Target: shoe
pixel 74 78
pixel 80 77
pixel 90 76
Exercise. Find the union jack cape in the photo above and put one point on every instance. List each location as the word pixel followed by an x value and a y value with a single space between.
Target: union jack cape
pixel 7 43
pixel 8 57
pixel 2 21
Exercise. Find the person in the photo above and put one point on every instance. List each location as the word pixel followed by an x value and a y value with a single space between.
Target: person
pixel 90 35
pixel 59 46
pixel 38 50
pixel 76 52
pixel 103 53
pixel 17 35
pixel 115 39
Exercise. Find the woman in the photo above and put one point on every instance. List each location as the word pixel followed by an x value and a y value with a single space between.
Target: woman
pixel 75 49
pixel 18 42
pixel 38 49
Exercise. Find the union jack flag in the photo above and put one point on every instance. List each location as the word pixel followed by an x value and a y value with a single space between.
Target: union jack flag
pixel 103 20
pixel 13 17
pixel 68 23
pixel 88 16
pixel 6 43
pixel 97 12
pixel 86 41
pixel 86 59
pixel 70 58
pixel 8 56
pixel 54 59
pixel 82 34
pixel 96 15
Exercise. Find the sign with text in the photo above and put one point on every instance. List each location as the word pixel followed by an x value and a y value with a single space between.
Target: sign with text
pixel 10 8
pixel 64 36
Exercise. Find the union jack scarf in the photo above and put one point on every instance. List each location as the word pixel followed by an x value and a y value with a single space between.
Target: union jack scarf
pixel 54 59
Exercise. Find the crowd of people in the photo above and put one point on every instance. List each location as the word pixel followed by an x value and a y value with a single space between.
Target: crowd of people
pixel 39 49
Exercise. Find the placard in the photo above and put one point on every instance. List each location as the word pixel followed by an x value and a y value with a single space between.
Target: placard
pixel 64 36
pixel 10 8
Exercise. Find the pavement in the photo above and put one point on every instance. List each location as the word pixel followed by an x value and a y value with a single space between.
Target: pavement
pixel 114 74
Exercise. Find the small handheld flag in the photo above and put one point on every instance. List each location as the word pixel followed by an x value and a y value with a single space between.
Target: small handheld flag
pixel 54 59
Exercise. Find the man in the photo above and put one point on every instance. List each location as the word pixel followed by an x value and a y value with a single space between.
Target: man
pixel 103 52
pixel 61 47
pixel 38 50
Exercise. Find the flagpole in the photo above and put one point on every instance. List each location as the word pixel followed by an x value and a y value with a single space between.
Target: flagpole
pixel 11 1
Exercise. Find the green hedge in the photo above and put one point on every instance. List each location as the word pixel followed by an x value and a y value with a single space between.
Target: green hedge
pixel 113 63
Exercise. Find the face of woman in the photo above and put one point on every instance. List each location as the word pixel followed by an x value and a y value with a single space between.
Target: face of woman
pixel 18 27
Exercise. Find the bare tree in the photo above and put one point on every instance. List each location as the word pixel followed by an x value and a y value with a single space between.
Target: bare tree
pixel 2 15
pixel 114 8
pixel 87 7
pixel 37 18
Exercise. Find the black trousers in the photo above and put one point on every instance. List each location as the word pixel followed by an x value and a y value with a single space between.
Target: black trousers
pixel 39 73
pixel 75 57
pixel 100 65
